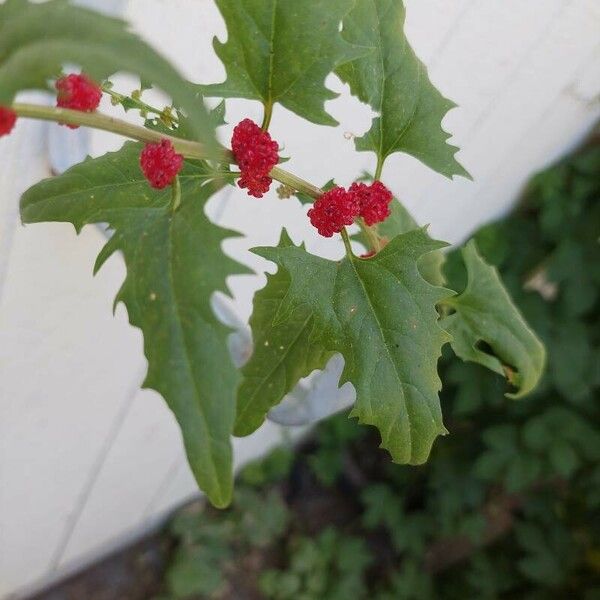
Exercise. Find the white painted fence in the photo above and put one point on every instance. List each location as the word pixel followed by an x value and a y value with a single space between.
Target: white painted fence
pixel 86 459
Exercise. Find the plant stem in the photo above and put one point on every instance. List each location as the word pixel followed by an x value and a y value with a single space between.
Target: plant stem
pixel 347 245
pixel 371 235
pixel 379 167
pixel 187 148
pixel 105 123
pixel 267 116
pixel 176 195
pixel 296 183
pixel 139 104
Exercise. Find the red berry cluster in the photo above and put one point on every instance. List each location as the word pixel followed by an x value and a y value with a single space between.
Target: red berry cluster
pixel 333 211
pixel 160 163
pixel 78 92
pixel 373 201
pixel 256 154
pixel 8 118
pixel 338 208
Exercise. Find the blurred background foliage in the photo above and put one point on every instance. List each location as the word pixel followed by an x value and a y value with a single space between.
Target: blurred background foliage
pixel 508 505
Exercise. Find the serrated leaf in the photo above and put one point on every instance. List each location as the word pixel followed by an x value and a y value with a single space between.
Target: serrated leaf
pixel 380 315
pixel 280 51
pixel 174 265
pixel 486 313
pixel 36 40
pixel 283 352
pixel 395 83
pixel 217 114
pixel 401 221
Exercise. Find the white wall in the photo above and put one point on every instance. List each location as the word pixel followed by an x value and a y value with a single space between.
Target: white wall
pixel 86 459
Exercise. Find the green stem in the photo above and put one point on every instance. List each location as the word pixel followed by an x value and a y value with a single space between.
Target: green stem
pixel 176 196
pixel 296 183
pixel 369 232
pixel 139 104
pixel 97 120
pixel 379 168
pixel 187 148
pixel 267 116
pixel 347 245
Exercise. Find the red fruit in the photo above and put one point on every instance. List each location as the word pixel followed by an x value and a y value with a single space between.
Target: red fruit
pixel 160 163
pixel 257 185
pixel 333 211
pixel 256 154
pixel 8 118
pixel 373 200
pixel 78 92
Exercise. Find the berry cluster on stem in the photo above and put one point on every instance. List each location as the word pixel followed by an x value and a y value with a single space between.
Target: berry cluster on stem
pixel 78 92
pixel 373 201
pixel 160 163
pixel 256 154
pixel 252 149
pixel 333 211
pixel 338 207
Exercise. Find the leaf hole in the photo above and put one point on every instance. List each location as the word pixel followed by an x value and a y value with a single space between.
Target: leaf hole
pixel 484 347
pixel 510 371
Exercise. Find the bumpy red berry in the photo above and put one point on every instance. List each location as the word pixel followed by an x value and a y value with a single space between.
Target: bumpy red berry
pixel 373 200
pixel 333 211
pixel 160 163
pixel 78 92
pixel 8 118
pixel 256 154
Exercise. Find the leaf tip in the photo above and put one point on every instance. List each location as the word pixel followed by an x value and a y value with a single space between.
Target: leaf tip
pixel 220 502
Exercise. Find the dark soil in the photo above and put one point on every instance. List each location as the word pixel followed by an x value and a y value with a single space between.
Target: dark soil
pixel 134 573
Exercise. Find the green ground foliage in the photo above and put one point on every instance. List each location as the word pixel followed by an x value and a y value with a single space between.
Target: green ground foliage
pixel 508 505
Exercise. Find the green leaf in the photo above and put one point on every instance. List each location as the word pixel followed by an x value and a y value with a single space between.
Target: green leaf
pixel 394 82
pixel 281 51
pixel 37 40
pixel 401 221
pixel 283 352
pixel 380 315
pixel 194 571
pixel 328 566
pixel 486 313
pixel 274 468
pixel 262 516
pixel 174 265
pixel 217 114
pixel 563 458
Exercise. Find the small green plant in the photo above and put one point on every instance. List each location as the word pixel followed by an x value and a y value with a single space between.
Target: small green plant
pixel 210 545
pixel 383 308
pixel 328 567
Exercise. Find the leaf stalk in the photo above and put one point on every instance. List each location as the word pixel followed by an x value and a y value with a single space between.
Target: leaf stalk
pixel 176 195
pixel 267 116
pixel 347 245
pixel 379 167
pixel 375 242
